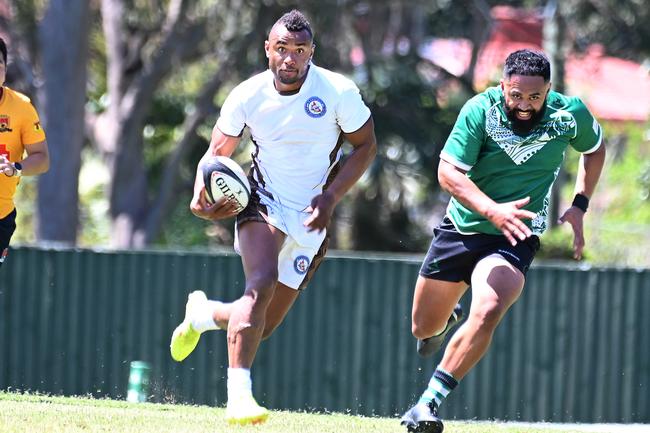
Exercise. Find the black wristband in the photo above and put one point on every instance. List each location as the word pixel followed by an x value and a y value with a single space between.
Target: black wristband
pixel 581 201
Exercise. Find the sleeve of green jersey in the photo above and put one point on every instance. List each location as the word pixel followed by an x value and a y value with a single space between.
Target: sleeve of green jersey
pixel 464 142
pixel 588 133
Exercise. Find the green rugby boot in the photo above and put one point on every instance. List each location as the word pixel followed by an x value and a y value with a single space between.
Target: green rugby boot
pixel 244 410
pixel 185 337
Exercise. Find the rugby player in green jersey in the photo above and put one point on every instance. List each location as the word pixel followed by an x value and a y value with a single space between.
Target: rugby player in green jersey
pixel 499 163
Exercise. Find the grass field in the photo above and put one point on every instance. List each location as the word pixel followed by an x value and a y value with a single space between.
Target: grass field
pixel 21 413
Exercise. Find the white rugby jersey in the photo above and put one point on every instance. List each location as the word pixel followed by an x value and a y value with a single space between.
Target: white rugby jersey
pixel 297 137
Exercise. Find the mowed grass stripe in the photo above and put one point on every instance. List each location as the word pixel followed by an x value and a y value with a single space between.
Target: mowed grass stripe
pixel 22 413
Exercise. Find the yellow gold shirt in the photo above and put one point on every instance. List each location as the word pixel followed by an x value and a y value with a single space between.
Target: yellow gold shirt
pixel 19 127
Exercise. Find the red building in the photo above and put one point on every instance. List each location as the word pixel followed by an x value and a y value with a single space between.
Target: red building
pixel 614 89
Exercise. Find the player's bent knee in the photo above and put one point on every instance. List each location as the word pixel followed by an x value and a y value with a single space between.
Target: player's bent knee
pixel 489 314
pixel 421 330
pixel 263 279
pixel 269 329
pixel 261 301
pixel 261 287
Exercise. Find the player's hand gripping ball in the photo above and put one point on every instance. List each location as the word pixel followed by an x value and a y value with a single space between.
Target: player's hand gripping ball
pixel 223 177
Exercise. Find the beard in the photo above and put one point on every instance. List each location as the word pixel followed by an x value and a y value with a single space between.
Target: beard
pixel 289 79
pixel 524 127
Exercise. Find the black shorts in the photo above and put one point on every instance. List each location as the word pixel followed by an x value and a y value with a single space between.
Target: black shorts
pixel 7 228
pixel 452 256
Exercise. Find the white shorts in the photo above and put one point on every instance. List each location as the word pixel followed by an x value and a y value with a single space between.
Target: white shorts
pixel 301 252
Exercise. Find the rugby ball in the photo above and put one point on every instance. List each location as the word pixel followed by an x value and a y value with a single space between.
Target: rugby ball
pixel 223 177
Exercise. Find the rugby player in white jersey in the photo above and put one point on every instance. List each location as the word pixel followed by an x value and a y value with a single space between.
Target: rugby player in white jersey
pixel 298 115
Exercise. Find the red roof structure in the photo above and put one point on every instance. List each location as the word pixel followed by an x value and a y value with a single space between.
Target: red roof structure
pixel 613 88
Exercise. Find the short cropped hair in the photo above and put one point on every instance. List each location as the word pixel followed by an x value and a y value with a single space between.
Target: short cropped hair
pixel 295 21
pixel 3 50
pixel 529 63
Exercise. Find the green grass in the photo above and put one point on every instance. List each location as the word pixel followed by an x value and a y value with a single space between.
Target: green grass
pixel 22 413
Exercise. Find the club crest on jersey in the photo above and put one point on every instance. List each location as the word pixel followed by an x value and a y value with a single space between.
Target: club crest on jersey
pixel 301 264
pixel 4 124
pixel 315 107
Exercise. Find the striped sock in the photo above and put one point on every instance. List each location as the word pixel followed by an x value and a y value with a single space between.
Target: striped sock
pixel 440 385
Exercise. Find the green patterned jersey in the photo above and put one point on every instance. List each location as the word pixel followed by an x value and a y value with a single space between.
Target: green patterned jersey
pixel 508 167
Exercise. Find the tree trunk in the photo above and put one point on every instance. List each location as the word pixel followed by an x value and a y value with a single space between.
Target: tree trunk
pixel 119 129
pixel 133 80
pixel 555 47
pixel 64 41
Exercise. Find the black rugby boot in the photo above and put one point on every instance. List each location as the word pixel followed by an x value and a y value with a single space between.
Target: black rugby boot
pixel 423 418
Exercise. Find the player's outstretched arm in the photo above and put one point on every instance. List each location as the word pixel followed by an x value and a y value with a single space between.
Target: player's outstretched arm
pixel 364 150
pixel 507 217
pixel 220 144
pixel 591 165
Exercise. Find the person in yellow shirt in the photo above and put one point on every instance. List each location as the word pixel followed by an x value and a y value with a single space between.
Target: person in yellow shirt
pixel 20 134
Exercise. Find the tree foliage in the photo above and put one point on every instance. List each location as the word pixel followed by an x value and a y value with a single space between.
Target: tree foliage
pixel 622 27
pixel 153 74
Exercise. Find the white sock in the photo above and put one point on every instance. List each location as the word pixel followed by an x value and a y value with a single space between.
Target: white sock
pixel 239 382
pixel 202 319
